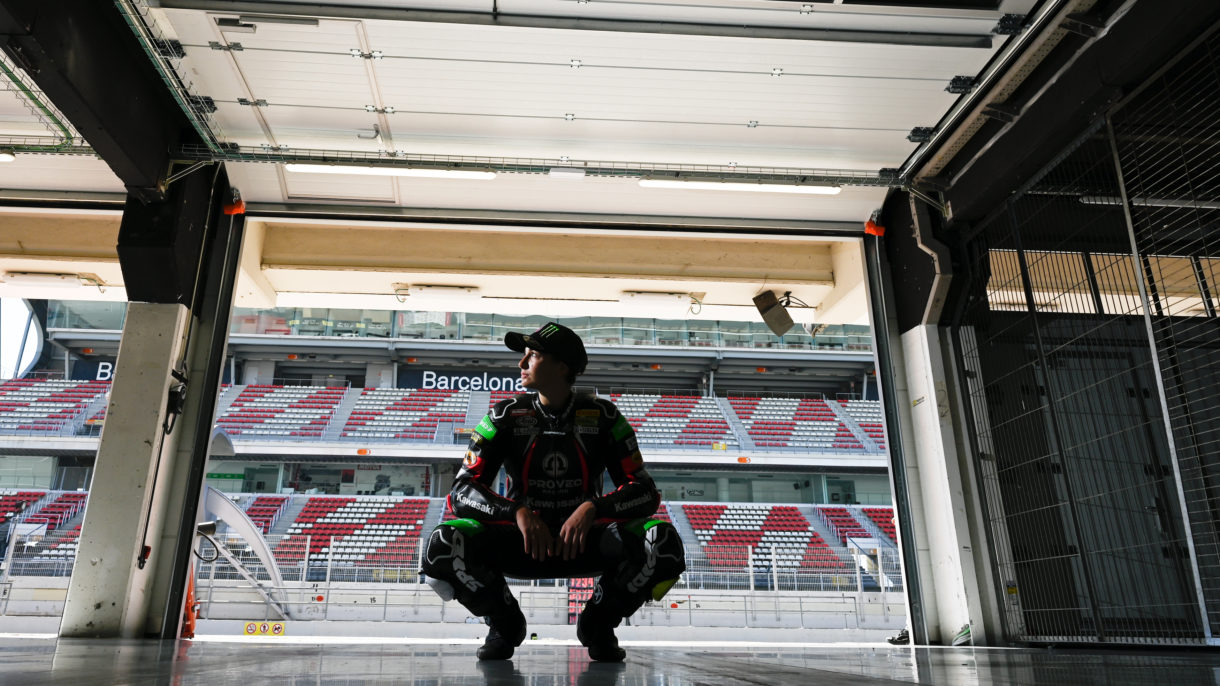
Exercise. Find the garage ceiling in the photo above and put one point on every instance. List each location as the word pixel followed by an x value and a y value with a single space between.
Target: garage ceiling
pixel 786 90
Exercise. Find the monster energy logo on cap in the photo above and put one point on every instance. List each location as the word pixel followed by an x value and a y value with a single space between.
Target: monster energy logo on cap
pixel 553 338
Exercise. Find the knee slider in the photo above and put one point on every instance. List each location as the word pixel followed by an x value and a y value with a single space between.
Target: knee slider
pixel 663 562
pixel 447 546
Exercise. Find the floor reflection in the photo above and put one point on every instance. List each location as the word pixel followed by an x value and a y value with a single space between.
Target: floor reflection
pixel 318 662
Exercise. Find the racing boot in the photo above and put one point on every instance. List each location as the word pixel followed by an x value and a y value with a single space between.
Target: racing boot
pixel 595 631
pixel 507 632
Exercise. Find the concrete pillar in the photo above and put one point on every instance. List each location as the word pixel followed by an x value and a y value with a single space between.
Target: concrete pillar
pixel 379 375
pixel 944 508
pixel 722 489
pixel 258 371
pixel 109 591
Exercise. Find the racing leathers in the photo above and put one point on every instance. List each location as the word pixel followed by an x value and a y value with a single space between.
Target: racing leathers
pixel 554 461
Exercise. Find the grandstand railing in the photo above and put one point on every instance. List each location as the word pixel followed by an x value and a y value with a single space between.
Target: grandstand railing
pixel 543 605
pixel 339 323
pixel 333 565
pixel 32 558
pixel 449 432
pixel 329 382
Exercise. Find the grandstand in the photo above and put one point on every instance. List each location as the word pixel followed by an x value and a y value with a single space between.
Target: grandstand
pixel 395 415
pixel 380 537
pixel 265 510
pixel 732 535
pixel 56 513
pixel 16 502
pixel 405 413
pixel 843 523
pixel 344 474
pixel 883 517
pixel 363 532
pixel 680 420
pixel 802 423
pixel 264 410
pixel 45 406
pixel 328 545
pixel 868 416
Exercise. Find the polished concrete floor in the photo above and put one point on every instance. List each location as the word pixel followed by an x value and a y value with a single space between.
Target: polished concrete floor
pixel 318 661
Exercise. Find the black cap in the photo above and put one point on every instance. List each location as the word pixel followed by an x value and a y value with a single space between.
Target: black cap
pixel 555 339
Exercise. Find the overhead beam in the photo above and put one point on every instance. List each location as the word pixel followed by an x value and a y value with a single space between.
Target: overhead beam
pixel 514 253
pixel 566 220
pixel 88 62
pixel 30 200
pixel 535 21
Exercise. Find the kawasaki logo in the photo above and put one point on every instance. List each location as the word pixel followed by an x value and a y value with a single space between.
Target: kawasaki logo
pixel 619 507
pixel 471 502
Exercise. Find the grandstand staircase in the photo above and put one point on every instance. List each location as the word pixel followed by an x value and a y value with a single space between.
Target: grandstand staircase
pixel 343 411
pixel 288 515
pixel 436 511
pixel 871 527
pixel 227 396
pixel 817 524
pixel 479 402
pixel 432 519
pixel 869 576
pixel 694 551
pixel 64 531
pixel 744 439
pixel 850 423
pixel 96 405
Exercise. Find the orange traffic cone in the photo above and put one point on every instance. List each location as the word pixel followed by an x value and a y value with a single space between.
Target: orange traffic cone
pixel 191 611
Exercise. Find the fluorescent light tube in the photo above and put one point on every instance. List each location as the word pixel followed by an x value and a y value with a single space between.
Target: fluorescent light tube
pixel 739 186
pixel 271 19
pixel 389 171
pixel 42 280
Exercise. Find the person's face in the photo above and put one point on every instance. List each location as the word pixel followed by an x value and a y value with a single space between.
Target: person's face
pixel 541 370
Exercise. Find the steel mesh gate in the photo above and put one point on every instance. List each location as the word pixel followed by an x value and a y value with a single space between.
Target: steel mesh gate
pixel 1168 144
pixel 1089 348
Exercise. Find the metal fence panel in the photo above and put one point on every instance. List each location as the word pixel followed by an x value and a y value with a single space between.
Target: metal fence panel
pixel 1091 359
pixel 1168 147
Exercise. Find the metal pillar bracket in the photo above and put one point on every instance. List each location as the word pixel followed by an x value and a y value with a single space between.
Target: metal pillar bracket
pixel 1002 112
pixel 933 202
pixel 201 103
pixel 223 551
pixel 169 48
pixel 178 175
pixel 960 85
pixel 1085 25
pixel 1010 25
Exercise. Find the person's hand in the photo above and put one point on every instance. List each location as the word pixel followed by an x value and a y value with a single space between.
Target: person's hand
pixel 538 541
pixel 575 531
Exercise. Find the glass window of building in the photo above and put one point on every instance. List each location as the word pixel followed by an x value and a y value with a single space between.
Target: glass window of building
pixel 376 323
pixel 605 331
pixel 80 314
pixel 671 332
pixel 346 323
pixel 311 321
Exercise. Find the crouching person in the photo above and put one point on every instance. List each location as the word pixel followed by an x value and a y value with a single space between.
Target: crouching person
pixel 554 445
